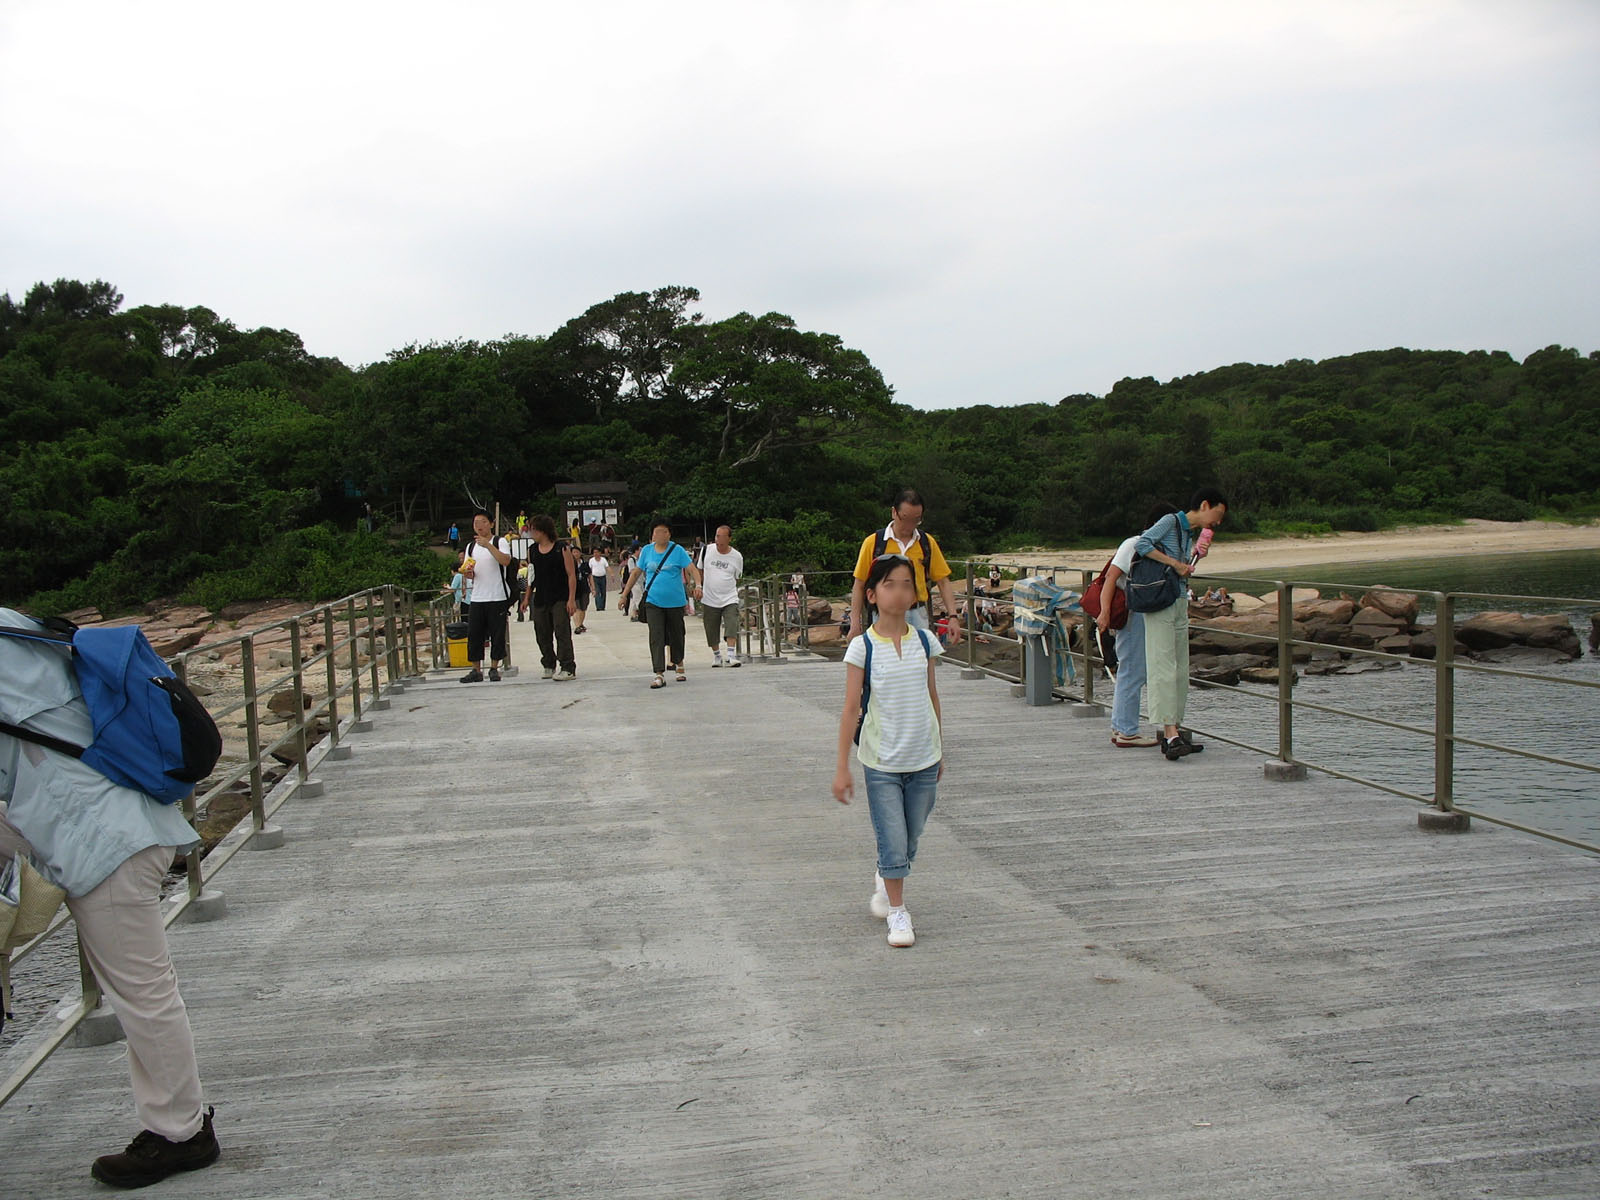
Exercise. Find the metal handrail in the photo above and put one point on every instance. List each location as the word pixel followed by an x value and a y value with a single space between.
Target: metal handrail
pixel 360 616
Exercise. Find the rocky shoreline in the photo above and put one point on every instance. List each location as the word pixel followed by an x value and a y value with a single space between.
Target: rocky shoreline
pixel 217 677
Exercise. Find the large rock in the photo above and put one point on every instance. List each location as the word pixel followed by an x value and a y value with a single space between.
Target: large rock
pixel 1267 675
pixel 1246 603
pixel 1256 633
pixel 168 643
pixel 1425 644
pixel 1524 656
pixel 1494 630
pixel 1335 611
pixel 1376 623
pixel 1402 605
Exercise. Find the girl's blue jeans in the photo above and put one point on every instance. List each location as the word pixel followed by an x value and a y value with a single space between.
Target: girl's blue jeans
pixel 1130 677
pixel 900 802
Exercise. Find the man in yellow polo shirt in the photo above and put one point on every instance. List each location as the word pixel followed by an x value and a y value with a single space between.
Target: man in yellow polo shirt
pixel 903 535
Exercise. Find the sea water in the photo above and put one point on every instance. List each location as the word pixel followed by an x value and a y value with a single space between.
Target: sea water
pixel 1541 715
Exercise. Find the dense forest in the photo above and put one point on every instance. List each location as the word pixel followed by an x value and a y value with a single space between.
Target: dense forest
pixel 162 451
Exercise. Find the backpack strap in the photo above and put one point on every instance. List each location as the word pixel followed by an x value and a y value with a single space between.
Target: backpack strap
pixel 71 749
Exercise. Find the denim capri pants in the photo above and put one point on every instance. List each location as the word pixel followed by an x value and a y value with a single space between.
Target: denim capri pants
pixel 900 802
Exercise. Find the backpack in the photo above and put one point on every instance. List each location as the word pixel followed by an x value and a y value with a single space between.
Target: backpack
pixel 151 733
pixel 1094 594
pixel 866 683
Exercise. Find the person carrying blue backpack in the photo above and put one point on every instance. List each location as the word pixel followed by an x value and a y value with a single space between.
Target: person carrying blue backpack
pixel 891 702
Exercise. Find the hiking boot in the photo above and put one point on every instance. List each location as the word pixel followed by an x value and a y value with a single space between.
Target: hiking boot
pixel 563 675
pixel 1175 748
pixel 879 904
pixel 150 1158
pixel 900 934
pixel 473 676
pixel 1132 739
pixel 494 674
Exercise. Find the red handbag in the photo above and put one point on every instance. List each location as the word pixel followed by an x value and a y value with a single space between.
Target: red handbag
pixel 1119 600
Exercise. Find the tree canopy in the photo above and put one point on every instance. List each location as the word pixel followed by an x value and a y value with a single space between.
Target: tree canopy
pixel 144 451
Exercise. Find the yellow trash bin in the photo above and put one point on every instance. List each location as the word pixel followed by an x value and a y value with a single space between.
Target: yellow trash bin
pixel 455 634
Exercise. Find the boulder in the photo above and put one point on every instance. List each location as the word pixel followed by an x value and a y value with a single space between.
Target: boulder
pixel 1376 623
pixel 1244 603
pixel 84 616
pixel 1524 656
pixel 1268 675
pixel 1364 666
pixel 174 642
pixel 1425 644
pixel 818 611
pixel 1402 605
pixel 1398 643
pixel 282 702
pixel 1494 630
pixel 1253 634
pixel 1336 612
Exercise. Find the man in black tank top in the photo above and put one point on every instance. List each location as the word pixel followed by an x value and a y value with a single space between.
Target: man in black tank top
pixel 552 599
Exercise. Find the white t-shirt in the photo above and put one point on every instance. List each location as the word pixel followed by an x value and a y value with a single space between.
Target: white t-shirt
pixel 488 578
pixel 1122 560
pixel 721 576
pixel 600 567
pixel 900 732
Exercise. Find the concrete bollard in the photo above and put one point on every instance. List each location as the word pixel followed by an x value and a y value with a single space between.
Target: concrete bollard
pixel 1435 820
pixel 972 673
pixel 338 754
pixel 310 788
pixel 209 905
pixel 1284 772
pixel 99 1028
pixel 268 837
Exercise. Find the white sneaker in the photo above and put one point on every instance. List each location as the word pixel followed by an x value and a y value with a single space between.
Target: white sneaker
pixel 549 672
pixel 879 904
pixel 733 658
pixel 716 658
pixel 563 676
pixel 900 929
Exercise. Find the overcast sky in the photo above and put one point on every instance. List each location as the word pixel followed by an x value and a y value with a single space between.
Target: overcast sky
pixel 998 202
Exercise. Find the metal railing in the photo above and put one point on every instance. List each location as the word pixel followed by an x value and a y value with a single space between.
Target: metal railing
pixel 358 654
pixel 778 621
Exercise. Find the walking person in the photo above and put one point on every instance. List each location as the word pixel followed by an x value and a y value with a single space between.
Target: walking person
pixel 890 669
pixel 1166 648
pixel 1130 677
pixel 109 848
pixel 663 566
pixel 484 565
pixel 722 568
pixel 584 576
pixel 553 599
pixel 903 535
pixel 453 536
pixel 599 577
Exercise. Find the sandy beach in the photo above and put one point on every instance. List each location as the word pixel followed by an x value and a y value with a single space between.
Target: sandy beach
pixel 1245 555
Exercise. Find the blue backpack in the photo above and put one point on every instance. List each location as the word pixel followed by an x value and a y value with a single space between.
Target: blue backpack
pixel 151 733
pixel 866 684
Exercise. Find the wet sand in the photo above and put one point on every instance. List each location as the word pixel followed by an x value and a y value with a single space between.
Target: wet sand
pixel 1244 555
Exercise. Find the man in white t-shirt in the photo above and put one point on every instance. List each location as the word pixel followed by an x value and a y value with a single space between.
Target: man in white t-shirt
pixel 486 615
pixel 721 569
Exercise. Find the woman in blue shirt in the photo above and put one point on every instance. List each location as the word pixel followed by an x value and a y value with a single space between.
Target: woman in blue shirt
pixel 663 564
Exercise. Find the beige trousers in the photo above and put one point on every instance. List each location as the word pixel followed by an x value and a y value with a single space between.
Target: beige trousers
pixel 1166 662
pixel 120 928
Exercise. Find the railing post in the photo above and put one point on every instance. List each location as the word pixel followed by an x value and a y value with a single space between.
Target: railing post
pixel 330 657
pixel 355 660
pixel 372 652
pixel 252 737
pixel 972 623
pixel 411 634
pixel 1091 655
pixel 298 683
pixel 1284 768
pixel 391 641
pixel 1443 817
pixel 804 638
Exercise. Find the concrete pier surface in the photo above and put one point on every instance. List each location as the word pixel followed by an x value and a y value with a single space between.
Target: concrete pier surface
pixel 588 939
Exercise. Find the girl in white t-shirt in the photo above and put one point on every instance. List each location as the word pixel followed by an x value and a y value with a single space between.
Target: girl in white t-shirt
pixel 900 749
